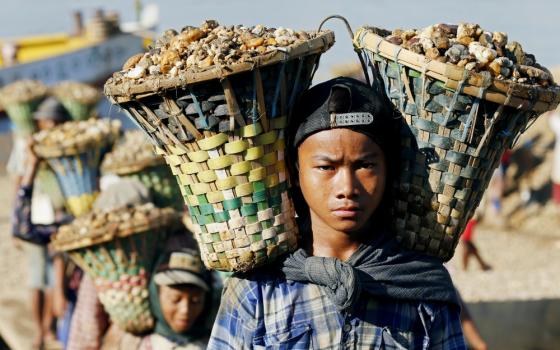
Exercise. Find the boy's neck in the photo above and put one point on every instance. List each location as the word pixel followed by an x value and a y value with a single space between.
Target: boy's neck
pixel 328 242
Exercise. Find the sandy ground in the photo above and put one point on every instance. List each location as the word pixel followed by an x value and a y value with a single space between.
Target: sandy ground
pixel 15 314
pixel 524 265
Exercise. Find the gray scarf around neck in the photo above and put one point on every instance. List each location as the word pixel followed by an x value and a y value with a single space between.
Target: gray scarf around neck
pixel 381 268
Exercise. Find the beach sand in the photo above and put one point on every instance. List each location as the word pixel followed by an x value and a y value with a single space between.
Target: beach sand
pixel 16 326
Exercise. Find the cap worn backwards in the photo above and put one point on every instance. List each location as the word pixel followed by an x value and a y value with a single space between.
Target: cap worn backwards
pixel 344 103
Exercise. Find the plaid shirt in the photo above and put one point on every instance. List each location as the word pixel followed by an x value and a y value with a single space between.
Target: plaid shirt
pixel 266 311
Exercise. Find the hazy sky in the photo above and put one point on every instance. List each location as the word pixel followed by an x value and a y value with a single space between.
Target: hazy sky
pixel 535 23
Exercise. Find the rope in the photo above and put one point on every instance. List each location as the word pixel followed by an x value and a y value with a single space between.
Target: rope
pixel 399 82
pixel 459 90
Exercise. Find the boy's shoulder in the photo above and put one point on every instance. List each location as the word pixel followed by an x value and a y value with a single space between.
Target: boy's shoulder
pixel 263 276
pixel 265 282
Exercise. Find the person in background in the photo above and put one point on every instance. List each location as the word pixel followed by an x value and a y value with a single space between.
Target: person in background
pixel 181 302
pixel 38 212
pixel 182 291
pixel 469 247
pixel 89 321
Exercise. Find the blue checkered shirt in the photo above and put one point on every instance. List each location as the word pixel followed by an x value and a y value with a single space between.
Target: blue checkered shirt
pixel 263 311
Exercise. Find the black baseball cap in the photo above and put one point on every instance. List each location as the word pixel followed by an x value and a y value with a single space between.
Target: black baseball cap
pixel 345 103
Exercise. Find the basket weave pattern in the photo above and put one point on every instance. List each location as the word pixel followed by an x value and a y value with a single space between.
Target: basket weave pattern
pixel 236 190
pixel 119 259
pixel 76 158
pixel 119 270
pixel 234 182
pixel 222 134
pixel 78 176
pixel 451 142
pixel 162 184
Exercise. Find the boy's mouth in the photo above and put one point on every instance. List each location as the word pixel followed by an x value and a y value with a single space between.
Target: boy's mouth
pixel 347 212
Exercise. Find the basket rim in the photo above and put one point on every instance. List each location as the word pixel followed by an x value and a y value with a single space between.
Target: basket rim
pixel 110 232
pixel 39 91
pixel 56 151
pixel 126 91
pixel 547 98
pixel 60 91
pixel 133 167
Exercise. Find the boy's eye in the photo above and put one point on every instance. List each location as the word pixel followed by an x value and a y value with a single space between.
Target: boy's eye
pixel 367 165
pixel 325 167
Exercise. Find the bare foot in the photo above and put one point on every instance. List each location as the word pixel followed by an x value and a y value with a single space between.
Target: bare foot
pixel 37 342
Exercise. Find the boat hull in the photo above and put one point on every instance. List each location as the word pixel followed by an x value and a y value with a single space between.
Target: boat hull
pixel 91 64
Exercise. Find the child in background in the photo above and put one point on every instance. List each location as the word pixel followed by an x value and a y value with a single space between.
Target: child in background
pixel 469 247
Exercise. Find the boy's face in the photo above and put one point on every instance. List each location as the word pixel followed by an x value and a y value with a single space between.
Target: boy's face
pixel 342 175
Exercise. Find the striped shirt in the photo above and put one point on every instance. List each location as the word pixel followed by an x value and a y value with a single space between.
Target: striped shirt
pixel 262 311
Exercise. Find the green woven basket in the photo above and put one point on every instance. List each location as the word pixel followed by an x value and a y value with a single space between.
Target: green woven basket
pixel 20 99
pixel 133 157
pixel 78 110
pixel 458 124
pixel 162 184
pixel 119 260
pixel 21 114
pixel 121 274
pixel 78 99
pixel 222 133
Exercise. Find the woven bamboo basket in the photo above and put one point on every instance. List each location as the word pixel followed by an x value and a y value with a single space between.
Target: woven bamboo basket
pixel 162 184
pixel 76 166
pixel 119 258
pixel 78 99
pixel 221 131
pixel 133 157
pixel 20 99
pixel 458 124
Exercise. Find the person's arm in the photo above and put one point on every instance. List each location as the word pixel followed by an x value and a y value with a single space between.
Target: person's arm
pixel 22 227
pixel 89 321
pixel 235 323
pixel 473 337
pixel 444 328
pixel 59 299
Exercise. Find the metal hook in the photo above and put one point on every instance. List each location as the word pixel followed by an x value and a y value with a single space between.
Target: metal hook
pixel 349 29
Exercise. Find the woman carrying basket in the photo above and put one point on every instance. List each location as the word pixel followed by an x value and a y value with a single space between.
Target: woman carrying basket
pixel 180 297
pixel 350 285
pixel 180 292
pixel 39 190
pixel 181 301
